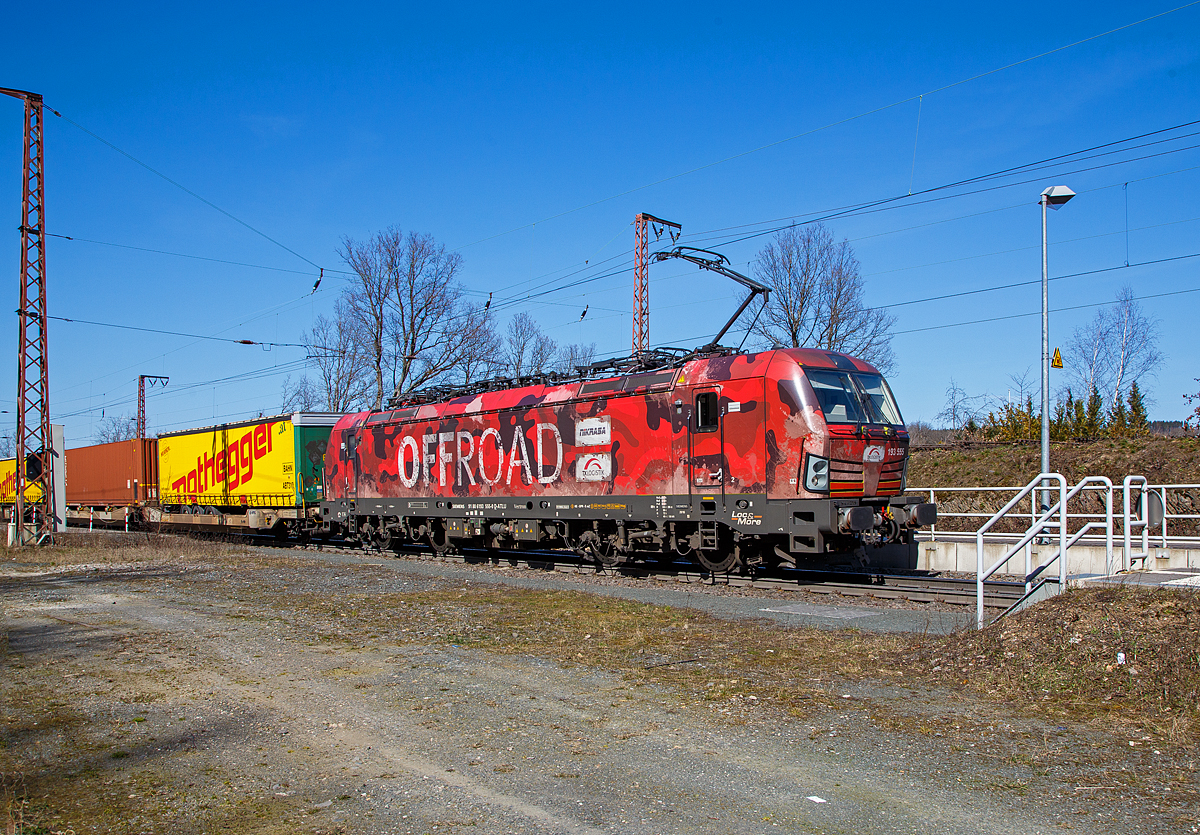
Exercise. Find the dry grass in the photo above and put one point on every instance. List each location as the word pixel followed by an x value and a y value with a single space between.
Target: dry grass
pixel 1052 664
pixel 1161 459
pixel 1061 658
pixel 80 548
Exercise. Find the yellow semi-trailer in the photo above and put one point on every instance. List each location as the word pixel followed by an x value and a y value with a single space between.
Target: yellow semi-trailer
pixel 256 474
pixel 8 484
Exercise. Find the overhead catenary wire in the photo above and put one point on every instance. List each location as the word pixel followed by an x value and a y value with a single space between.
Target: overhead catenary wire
pixel 1032 247
pixel 78 239
pixel 1005 172
pixel 177 333
pixel 187 190
pixel 140 363
pixel 178 389
pixel 1032 282
pixel 1038 313
pixel 989 319
pixel 836 123
pixel 890 203
pixel 844 211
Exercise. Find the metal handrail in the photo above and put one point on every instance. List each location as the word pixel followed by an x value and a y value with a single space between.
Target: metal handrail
pixel 1105 484
pixel 1042 523
pixel 1167 515
pixel 1129 522
pixel 1162 538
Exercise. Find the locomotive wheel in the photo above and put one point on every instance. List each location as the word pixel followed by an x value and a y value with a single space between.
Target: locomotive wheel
pixel 444 547
pixel 718 562
pixel 607 556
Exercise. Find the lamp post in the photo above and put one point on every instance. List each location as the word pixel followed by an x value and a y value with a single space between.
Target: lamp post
pixel 1053 197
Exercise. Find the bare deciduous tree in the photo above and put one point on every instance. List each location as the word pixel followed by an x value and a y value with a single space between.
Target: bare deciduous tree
pixel 962 411
pixel 432 329
pixel 407 313
pixel 575 356
pixel 112 429
pixel 1022 384
pixel 342 363
pixel 486 359
pixel 8 446
pixel 1134 344
pixel 527 349
pixel 343 369
pixel 375 263
pixel 817 297
pixel 1117 348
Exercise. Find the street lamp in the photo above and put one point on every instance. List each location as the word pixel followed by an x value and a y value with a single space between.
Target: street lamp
pixel 1053 197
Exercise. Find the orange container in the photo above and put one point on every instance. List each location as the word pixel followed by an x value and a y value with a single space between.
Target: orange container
pixel 125 472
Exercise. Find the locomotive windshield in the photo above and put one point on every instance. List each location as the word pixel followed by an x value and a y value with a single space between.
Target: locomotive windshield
pixel 853 397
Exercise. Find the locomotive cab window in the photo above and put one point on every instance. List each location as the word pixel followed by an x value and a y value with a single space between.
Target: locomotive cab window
pixel 707 417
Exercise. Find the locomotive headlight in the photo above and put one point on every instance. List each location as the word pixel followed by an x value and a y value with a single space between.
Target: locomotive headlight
pixel 816 474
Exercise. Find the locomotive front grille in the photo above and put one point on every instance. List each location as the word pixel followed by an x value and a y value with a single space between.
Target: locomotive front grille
pixel 845 478
pixel 891 477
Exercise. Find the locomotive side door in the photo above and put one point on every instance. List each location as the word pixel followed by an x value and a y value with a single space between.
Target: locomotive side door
pixel 350 456
pixel 707 467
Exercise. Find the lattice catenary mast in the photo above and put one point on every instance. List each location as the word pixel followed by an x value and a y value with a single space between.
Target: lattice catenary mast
pixel 141 418
pixel 641 284
pixel 35 458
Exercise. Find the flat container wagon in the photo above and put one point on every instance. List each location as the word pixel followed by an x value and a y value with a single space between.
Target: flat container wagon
pixel 8 487
pixel 259 474
pixel 120 473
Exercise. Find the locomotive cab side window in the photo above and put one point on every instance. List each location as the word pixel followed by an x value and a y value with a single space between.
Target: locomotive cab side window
pixel 707 417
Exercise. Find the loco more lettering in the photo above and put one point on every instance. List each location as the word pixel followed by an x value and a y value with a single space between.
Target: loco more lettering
pixel 234 465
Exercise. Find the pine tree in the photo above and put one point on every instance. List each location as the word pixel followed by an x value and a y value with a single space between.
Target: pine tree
pixel 1059 424
pixel 1138 422
pixel 1118 419
pixel 1080 419
pixel 1093 421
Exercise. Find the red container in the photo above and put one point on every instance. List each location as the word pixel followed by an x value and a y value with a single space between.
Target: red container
pixel 125 472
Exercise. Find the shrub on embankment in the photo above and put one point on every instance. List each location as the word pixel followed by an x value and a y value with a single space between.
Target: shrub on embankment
pixel 1162 460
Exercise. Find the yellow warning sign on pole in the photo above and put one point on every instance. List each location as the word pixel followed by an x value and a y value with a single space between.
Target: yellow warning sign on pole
pixel 1056 362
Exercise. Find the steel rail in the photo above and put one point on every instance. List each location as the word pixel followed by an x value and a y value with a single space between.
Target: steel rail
pixel 914 588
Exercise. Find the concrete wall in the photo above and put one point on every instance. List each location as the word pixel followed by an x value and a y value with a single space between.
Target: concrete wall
pixel 950 555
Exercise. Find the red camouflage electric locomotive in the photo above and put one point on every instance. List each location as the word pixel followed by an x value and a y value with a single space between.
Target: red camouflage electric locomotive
pixel 734 460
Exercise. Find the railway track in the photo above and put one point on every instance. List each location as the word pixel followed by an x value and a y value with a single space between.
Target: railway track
pixel 917 588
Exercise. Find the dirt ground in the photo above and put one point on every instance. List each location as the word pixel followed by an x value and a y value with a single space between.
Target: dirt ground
pixel 176 687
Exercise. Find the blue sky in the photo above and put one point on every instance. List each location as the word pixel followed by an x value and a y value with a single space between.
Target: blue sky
pixel 528 137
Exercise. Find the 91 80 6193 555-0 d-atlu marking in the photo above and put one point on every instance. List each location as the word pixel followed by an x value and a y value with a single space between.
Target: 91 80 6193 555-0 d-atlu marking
pixel 734 461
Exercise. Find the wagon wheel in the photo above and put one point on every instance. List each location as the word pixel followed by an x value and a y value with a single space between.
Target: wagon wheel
pixel 718 561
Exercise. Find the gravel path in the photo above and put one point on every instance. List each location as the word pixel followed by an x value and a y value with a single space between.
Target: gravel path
pixel 173 699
